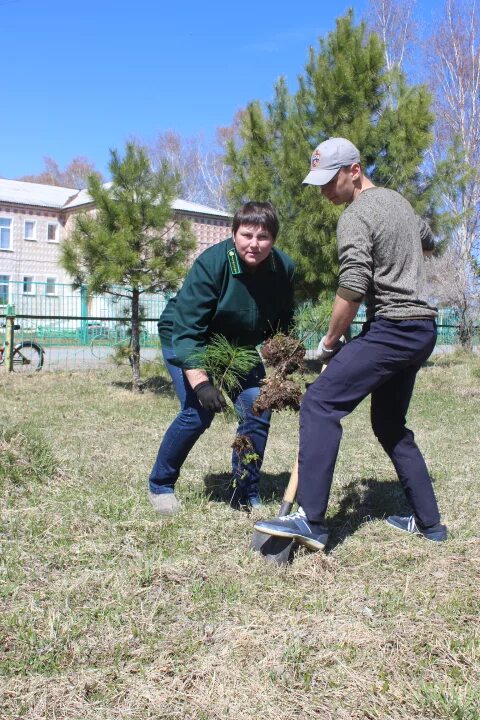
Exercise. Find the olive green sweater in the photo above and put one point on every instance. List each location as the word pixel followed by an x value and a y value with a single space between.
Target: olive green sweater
pixel 221 296
pixel 380 245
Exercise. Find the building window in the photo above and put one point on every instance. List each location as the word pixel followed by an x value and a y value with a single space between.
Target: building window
pixel 50 286
pixel 30 230
pixel 5 234
pixel 28 285
pixel 52 232
pixel 4 279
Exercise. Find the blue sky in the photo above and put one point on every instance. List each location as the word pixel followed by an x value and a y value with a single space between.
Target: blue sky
pixel 79 78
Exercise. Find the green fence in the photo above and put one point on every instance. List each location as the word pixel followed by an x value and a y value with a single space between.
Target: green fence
pixel 79 330
pixel 58 314
pixel 447 324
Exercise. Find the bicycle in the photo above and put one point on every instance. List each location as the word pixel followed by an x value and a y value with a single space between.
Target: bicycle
pixel 110 344
pixel 28 356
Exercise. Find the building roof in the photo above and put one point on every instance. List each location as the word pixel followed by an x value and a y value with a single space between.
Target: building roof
pixel 61 198
pixel 196 208
pixel 26 193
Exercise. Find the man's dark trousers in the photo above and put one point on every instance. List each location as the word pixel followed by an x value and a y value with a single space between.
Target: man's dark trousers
pixel 383 360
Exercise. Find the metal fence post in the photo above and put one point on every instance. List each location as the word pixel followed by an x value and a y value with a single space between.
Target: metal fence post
pixel 84 315
pixel 9 341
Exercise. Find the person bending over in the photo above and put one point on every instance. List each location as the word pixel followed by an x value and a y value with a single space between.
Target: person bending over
pixel 241 288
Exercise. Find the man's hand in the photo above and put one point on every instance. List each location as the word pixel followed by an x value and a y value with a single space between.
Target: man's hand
pixel 210 397
pixel 325 354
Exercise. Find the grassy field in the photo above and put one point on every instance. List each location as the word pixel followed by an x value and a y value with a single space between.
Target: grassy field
pixel 107 612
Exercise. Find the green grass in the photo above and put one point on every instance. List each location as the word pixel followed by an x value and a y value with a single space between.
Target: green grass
pixel 107 612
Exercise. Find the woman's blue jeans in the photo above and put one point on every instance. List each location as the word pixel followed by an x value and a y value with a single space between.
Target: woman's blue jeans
pixel 193 420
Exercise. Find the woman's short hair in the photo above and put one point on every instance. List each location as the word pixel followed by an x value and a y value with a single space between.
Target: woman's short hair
pixel 261 214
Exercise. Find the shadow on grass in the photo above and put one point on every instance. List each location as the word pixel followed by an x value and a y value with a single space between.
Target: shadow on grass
pixel 158 384
pixel 365 499
pixel 271 487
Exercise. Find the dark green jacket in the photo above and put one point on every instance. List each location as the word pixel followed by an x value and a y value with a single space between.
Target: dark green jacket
pixel 219 296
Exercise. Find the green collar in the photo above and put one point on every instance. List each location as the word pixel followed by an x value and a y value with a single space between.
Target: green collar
pixel 235 264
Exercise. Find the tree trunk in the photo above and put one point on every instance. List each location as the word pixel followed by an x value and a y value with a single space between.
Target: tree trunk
pixel 466 330
pixel 135 350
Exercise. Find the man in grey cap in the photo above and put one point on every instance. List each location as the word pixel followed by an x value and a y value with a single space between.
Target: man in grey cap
pixel 380 245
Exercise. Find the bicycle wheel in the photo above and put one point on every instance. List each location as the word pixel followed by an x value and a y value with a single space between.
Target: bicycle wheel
pixel 97 347
pixel 27 357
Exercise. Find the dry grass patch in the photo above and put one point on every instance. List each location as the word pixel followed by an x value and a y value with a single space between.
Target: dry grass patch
pixel 108 612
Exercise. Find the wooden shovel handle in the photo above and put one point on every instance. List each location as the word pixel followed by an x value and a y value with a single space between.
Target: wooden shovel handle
pixel 290 492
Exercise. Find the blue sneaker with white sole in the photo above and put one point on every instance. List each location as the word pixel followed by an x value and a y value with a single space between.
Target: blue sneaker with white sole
pixel 297 527
pixel 436 533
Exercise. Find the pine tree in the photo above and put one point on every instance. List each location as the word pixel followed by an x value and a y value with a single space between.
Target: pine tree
pixel 345 90
pixel 131 244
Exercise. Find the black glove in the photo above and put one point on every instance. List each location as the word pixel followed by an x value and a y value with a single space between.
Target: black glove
pixel 210 397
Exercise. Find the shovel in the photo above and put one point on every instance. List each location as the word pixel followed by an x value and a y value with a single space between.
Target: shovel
pixel 275 549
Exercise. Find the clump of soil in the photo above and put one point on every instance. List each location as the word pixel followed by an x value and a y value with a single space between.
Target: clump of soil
pixel 278 393
pixel 284 353
pixel 242 445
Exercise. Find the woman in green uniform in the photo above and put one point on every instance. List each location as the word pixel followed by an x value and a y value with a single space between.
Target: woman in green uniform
pixel 241 288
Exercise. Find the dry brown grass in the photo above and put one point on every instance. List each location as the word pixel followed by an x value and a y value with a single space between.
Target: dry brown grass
pixel 109 613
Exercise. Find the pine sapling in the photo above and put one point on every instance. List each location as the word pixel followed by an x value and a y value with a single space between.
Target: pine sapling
pixel 228 364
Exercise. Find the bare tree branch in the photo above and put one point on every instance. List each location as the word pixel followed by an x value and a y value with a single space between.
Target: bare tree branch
pixel 393 21
pixel 201 163
pixel 452 283
pixel 453 52
pixel 74 176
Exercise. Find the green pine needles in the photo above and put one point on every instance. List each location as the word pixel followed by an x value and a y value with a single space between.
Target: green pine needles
pixel 132 244
pixel 226 363
pixel 312 318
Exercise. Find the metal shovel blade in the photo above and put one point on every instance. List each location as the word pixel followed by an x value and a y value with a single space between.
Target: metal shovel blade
pixel 275 550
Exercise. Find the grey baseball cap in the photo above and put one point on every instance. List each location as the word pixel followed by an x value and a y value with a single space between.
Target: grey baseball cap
pixel 328 158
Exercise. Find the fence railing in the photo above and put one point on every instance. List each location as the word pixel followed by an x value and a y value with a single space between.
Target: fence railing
pixel 57 313
pixel 78 329
pixel 448 322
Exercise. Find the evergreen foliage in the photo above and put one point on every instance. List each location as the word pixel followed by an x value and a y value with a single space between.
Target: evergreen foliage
pixel 454 178
pixel 312 319
pixel 345 90
pixel 227 363
pixel 132 243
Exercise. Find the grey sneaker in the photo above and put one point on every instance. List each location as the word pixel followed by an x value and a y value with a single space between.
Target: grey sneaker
pixel 437 533
pixel 297 527
pixel 164 503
